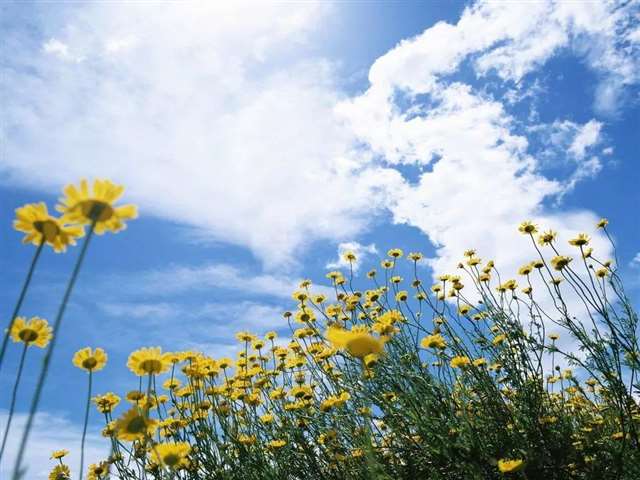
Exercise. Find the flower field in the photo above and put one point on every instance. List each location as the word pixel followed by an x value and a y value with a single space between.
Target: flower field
pixel 484 374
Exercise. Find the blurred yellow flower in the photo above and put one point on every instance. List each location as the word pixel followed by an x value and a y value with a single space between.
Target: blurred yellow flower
pixel 171 454
pixel 36 331
pixel 82 206
pixel 527 227
pixel 34 220
pixel 135 424
pixel 358 341
pixel 510 466
pixel 60 472
pixel 580 240
pixel 58 454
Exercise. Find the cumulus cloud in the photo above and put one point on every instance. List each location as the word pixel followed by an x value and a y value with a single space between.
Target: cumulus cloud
pixel 359 250
pixel 210 113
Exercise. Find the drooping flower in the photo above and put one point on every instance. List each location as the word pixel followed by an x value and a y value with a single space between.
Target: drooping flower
pixel 90 360
pixel 36 331
pixel 82 206
pixel 173 455
pixel 148 361
pixel 34 220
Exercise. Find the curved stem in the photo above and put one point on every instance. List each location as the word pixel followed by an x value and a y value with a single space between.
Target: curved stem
pixel 86 421
pixel 13 399
pixel 23 292
pixel 17 472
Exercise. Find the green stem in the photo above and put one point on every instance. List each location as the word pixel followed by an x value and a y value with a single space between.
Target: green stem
pixel 13 399
pixel 86 421
pixel 16 309
pixel 17 472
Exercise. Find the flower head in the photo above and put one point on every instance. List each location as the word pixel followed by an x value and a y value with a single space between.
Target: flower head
pixel 510 466
pixel 106 402
pixel 148 361
pixel 90 360
pixel 357 341
pixel 58 454
pixel 34 220
pixel 60 472
pixel 98 471
pixel 171 454
pixel 580 240
pixel 82 206
pixel 560 261
pixel 36 331
pixel 602 223
pixel 527 227
pixel 434 341
pixel 135 424
pixel 460 362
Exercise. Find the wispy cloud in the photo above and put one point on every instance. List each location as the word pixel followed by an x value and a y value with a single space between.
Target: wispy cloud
pixel 51 431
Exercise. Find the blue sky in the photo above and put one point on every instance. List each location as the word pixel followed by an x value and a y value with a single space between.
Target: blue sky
pixel 259 141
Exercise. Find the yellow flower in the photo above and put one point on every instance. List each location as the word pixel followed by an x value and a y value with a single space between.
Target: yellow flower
pixel 36 331
pixel 602 223
pixel 498 339
pixel 60 472
pixel 58 454
pixel 171 454
pixel 602 272
pixel 98 471
pixel 459 362
pixel 560 261
pixel 510 466
pixel 480 362
pixel 90 360
pixel 527 227
pixel 525 269
pixel 580 240
pixel 135 425
pixel 395 253
pixel 357 341
pixel 349 256
pixel 547 237
pixel 434 341
pixel 277 443
pixel 81 206
pixel 107 402
pixel 34 220
pixel 148 361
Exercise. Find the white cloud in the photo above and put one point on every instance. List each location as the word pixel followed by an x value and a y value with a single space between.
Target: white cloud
pixel 586 137
pixel 50 432
pixel 361 252
pixel 212 114
pixel 635 262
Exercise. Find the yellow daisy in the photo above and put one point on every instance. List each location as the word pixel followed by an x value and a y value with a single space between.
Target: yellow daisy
pixel 60 472
pixel 58 454
pixel 90 360
pixel 34 220
pixel 134 425
pixel 82 206
pixel 98 471
pixel 36 331
pixel 357 341
pixel 171 454
pixel 106 402
pixel 148 361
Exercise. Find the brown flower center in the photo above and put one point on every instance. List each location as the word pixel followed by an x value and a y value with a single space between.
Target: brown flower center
pixel 28 335
pixel 96 210
pixel 89 363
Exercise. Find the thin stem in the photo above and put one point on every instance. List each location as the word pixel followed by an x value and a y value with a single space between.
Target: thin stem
pixel 13 399
pixel 23 293
pixel 17 473
pixel 86 421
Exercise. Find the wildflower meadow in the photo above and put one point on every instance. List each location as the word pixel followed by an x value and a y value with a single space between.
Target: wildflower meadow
pixel 485 374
